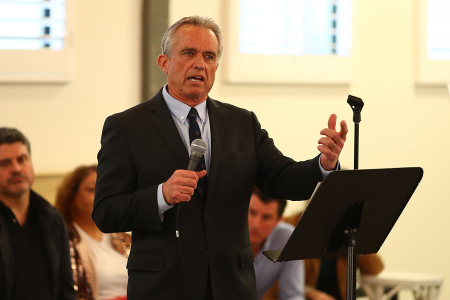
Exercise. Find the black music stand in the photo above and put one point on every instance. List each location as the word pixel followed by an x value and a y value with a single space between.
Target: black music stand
pixel 350 213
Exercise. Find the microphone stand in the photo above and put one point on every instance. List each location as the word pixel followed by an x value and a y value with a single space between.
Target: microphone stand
pixel 356 104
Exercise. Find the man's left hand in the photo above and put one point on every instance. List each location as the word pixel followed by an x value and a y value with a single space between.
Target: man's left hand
pixel 331 144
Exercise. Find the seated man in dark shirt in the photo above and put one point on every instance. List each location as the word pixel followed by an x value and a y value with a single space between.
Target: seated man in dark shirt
pixel 34 247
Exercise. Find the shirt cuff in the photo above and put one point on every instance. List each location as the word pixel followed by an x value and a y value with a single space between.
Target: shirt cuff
pixel 325 172
pixel 162 204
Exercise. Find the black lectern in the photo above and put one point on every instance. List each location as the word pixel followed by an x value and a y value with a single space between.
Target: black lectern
pixel 351 212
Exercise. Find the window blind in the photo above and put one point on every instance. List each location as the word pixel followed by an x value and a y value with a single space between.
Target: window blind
pixel 292 27
pixel 32 24
pixel 438 30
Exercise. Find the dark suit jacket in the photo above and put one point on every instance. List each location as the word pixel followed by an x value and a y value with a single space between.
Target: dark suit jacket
pixel 141 148
pixel 56 243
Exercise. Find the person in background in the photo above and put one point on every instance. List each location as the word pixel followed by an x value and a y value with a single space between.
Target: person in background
pixel 34 248
pixel 325 279
pixel 98 260
pixel 268 233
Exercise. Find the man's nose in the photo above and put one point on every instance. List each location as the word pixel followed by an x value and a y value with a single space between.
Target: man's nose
pixel 16 167
pixel 254 222
pixel 199 62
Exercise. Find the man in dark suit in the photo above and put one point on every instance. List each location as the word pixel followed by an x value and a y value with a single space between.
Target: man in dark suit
pixel 189 241
pixel 34 246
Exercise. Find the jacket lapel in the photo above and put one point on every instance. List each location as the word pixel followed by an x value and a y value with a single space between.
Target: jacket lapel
pixel 48 238
pixel 217 124
pixel 163 121
pixel 6 255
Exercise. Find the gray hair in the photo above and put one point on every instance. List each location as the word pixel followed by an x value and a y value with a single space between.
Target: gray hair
pixel 12 135
pixel 168 40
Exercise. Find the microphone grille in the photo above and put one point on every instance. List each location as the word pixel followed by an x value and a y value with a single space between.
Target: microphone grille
pixel 198 147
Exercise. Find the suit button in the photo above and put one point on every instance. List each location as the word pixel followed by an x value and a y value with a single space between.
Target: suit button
pixel 205 254
pixel 207 217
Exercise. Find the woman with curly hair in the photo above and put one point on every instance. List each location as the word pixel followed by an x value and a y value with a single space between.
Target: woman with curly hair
pixel 98 259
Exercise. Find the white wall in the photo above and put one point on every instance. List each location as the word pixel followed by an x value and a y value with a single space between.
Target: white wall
pixel 64 121
pixel 402 125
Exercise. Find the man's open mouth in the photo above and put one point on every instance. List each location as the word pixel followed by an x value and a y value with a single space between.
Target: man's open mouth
pixel 196 78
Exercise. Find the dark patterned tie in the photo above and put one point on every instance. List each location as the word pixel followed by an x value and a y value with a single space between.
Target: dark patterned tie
pixel 194 133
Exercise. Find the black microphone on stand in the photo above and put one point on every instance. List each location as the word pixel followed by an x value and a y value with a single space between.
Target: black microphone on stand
pixel 357 105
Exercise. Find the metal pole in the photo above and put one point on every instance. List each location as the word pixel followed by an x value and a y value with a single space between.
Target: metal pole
pixel 356 146
pixel 350 234
pixel 350 273
pixel 352 268
pixel 356 104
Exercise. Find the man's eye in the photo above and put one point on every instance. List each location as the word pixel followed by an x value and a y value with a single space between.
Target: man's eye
pixel 190 53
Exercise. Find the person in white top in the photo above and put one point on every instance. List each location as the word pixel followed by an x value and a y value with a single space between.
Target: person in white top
pixel 98 259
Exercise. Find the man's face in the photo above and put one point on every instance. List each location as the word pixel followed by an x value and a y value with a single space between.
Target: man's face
pixel 191 69
pixel 16 170
pixel 262 219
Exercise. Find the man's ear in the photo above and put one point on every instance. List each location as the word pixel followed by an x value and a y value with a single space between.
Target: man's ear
pixel 163 63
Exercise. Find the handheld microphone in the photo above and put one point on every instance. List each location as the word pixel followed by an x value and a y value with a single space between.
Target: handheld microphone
pixel 198 148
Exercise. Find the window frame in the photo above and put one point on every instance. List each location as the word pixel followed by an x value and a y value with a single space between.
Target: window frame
pixel 428 71
pixel 43 65
pixel 280 69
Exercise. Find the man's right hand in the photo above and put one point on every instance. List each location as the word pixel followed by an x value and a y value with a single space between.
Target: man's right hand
pixel 181 185
pixel 318 295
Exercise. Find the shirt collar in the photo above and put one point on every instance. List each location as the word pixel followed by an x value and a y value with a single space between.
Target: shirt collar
pixel 180 110
pixel 266 244
pixel 3 207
